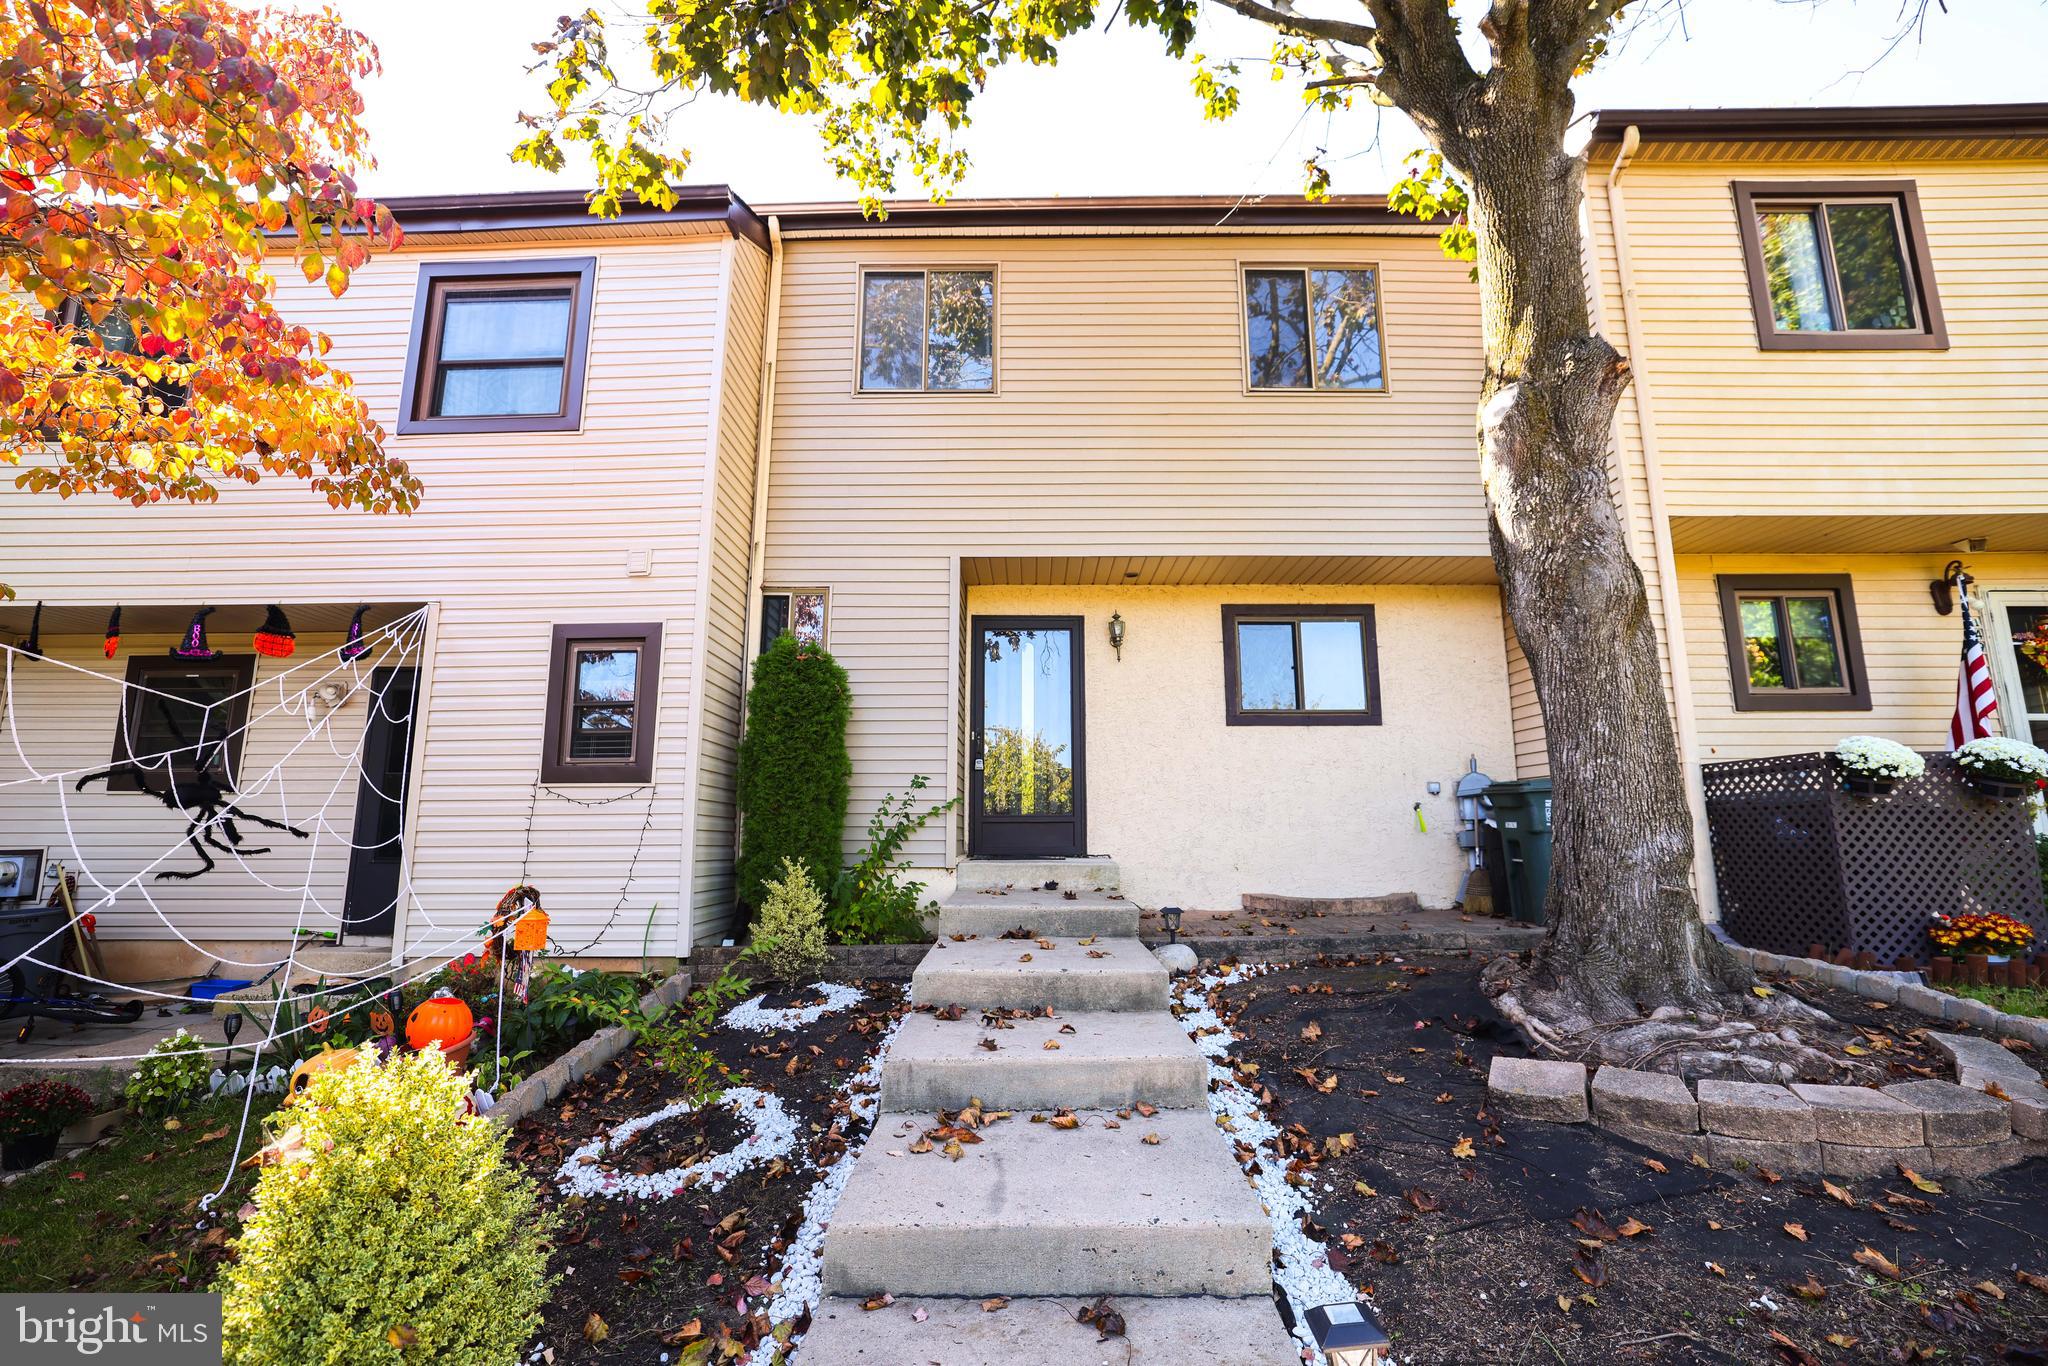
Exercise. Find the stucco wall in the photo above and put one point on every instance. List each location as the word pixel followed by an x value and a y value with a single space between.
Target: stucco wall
pixel 1197 812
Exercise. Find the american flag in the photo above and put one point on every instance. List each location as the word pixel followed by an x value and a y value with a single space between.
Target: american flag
pixel 1975 704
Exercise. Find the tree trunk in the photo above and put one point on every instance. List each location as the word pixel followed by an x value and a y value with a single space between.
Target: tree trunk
pixel 1625 932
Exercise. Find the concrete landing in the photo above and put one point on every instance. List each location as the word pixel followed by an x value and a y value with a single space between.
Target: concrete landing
pixel 1080 874
pixel 1043 1332
pixel 1016 974
pixel 1111 1059
pixel 988 914
pixel 1035 1210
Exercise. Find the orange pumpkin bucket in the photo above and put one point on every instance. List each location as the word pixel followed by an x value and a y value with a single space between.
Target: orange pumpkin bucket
pixel 442 1020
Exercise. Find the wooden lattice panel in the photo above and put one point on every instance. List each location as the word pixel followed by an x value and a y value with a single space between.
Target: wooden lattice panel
pixel 1800 861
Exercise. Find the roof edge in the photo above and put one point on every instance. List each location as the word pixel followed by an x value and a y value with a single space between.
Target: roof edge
pixel 526 210
pixel 1221 212
pixel 1846 121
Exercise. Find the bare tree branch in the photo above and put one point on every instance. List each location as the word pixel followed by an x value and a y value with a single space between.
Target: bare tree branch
pixel 1282 16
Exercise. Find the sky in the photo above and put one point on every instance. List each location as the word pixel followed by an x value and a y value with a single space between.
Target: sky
pixel 1116 116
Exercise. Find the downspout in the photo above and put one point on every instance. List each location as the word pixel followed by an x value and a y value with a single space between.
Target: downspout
pixel 1660 534
pixel 764 449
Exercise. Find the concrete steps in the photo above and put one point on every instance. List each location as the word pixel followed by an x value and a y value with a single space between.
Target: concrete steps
pixel 1014 974
pixel 1111 1059
pixel 1034 1210
pixel 988 914
pixel 1078 874
pixel 1043 1332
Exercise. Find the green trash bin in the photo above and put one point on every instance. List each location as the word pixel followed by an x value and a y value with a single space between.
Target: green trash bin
pixel 1522 810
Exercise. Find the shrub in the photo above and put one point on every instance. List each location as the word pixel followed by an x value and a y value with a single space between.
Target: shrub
pixel 171 1077
pixel 789 937
pixel 40 1107
pixel 392 1230
pixel 794 769
pixel 871 903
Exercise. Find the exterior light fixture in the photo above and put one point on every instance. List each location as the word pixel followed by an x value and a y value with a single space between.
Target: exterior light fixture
pixel 1171 915
pixel 1943 589
pixel 231 1025
pixel 1116 633
pixel 1348 1335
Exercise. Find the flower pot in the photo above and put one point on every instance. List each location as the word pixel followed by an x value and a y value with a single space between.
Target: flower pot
pixel 19 1154
pixel 1865 785
pixel 1996 789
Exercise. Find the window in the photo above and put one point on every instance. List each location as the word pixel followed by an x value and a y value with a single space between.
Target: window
pixel 498 347
pixel 193 710
pixel 1300 666
pixel 927 330
pixel 117 333
pixel 1838 265
pixel 601 690
pixel 799 611
pixel 1793 643
pixel 1313 328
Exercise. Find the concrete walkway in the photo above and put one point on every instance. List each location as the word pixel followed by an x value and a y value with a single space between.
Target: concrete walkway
pixel 988 1255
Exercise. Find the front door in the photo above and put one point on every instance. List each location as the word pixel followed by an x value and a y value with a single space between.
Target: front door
pixel 371 904
pixel 1026 791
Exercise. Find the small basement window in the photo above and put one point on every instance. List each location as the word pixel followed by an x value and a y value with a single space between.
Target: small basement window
pixel 498 347
pixel 188 709
pixel 927 330
pixel 1793 643
pixel 1838 265
pixel 602 685
pixel 799 611
pixel 1300 666
pixel 1313 327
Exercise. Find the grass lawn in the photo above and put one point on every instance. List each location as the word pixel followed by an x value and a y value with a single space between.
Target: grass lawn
pixel 121 1218
pixel 2012 1000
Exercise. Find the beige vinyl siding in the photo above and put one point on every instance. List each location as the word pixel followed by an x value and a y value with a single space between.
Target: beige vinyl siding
pixel 1532 750
pixel 725 651
pixel 517 532
pixel 1120 426
pixel 1910 651
pixel 1748 432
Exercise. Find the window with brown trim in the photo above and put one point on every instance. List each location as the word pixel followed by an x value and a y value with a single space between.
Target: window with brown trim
pixel 1838 265
pixel 190 710
pixel 798 611
pixel 1793 644
pixel 602 683
pixel 1313 327
pixel 498 347
pixel 1300 666
pixel 931 331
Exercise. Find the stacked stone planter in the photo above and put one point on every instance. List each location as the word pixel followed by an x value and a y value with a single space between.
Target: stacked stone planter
pixel 1933 1127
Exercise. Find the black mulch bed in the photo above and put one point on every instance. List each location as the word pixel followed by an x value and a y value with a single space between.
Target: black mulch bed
pixel 1525 1251
pixel 689 1274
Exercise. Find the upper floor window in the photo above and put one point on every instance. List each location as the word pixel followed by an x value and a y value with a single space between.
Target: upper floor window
pixel 498 346
pixel 116 332
pixel 929 330
pixel 1838 265
pixel 1313 327
pixel 1793 643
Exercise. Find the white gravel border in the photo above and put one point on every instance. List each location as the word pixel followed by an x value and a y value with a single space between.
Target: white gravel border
pixel 1304 1272
pixel 749 1014
pixel 772 1133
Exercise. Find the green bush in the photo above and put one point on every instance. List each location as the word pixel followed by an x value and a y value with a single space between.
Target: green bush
pixel 871 901
pixel 171 1077
pixel 789 937
pixel 794 768
pixel 392 1231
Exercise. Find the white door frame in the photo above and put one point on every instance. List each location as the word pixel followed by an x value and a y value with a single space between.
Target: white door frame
pixel 2005 663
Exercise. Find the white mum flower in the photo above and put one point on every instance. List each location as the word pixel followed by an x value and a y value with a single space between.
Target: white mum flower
pixel 1999 755
pixel 1876 757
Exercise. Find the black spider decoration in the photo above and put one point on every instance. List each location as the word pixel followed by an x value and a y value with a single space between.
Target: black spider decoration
pixel 197 790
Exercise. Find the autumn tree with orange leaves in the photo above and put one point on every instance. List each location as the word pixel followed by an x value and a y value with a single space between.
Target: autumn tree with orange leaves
pixel 156 156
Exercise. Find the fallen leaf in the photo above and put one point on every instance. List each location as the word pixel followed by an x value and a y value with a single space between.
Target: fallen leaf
pixel 919 1315
pixel 1842 1340
pixel 1796 1230
pixel 1878 1262
pixel 1792 1351
pixel 693 1329
pixel 1717 1268
pixel 993 1303
pixel 1767 1176
pixel 1838 1193
pixel 1564 1302
pixel 1023 957
pixel 595 1329
pixel 1421 1200
pixel 1364 1189
pixel 1146 1110
pixel 1919 1182
pixel 1312 1031
pixel 1633 1227
pixel 874 1302
pixel 1050 1045
pixel 1654 1165
pixel 1463 1147
pixel 1811 1289
pixel 1990 1289
pixel 2039 1283
pixel 1151 1139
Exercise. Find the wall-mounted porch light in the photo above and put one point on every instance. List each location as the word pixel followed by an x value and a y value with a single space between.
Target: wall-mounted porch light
pixel 1943 589
pixel 1171 916
pixel 1116 633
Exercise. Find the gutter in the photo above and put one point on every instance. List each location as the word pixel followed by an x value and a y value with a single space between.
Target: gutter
pixel 1660 536
pixel 764 453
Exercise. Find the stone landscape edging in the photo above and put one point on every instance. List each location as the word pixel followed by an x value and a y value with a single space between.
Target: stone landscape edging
pixel 1933 1127
pixel 546 1086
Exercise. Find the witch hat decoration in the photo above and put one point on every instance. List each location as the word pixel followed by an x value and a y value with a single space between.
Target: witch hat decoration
pixel 113 632
pixel 33 646
pixel 356 647
pixel 194 645
pixel 275 637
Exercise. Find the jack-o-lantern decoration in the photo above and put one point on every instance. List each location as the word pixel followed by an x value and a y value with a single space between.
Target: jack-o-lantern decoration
pixel 316 1019
pixel 326 1060
pixel 381 1023
pixel 442 1020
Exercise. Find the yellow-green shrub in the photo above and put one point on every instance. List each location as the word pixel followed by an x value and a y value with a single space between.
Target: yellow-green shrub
pixel 394 1231
pixel 790 935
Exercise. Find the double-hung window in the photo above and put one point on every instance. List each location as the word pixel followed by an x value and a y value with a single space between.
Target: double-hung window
pixel 930 331
pixel 1839 265
pixel 498 346
pixel 1300 666
pixel 1313 327
pixel 1793 643
pixel 602 682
